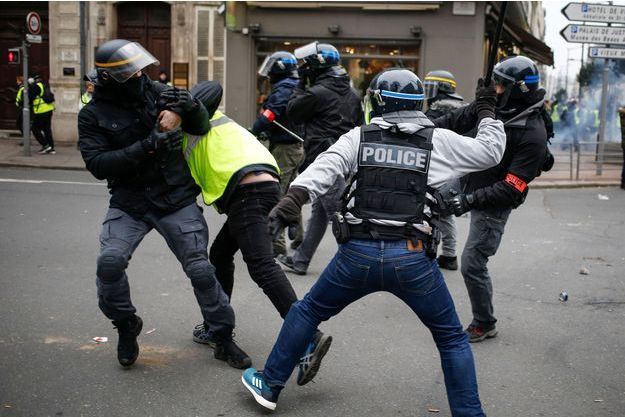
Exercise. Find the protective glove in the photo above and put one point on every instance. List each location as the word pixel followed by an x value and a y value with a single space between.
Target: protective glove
pixel 461 203
pixel 179 101
pixel 173 143
pixel 485 100
pixel 287 211
pixel 157 140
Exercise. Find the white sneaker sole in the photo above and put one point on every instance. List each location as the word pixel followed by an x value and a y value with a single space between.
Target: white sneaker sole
pixel 259 399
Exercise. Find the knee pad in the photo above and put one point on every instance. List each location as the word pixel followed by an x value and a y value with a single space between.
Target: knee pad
pixel 111 265
pixel 202 274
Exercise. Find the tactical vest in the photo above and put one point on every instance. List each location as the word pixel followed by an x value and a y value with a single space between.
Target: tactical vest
pixel 391 182
pixel 228 151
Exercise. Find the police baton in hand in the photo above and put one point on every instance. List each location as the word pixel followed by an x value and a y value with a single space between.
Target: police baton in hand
pixel 493 50
pixel 269 115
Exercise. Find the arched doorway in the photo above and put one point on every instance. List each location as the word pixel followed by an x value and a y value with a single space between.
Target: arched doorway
pixel 12 22
pixel 148 23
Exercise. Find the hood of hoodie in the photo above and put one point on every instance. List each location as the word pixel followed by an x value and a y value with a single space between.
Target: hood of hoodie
pixel 335 79
pixel 404 121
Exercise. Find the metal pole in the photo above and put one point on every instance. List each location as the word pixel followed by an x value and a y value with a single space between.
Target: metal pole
pixel 579 152
pixel 83 40
pixel 566 76
pixel 603 113
pixel 571 163
pixel 25 101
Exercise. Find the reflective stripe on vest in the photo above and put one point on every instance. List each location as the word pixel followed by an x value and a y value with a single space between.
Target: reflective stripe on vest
pixel 19 97
pixel 226 149
pixel 39 105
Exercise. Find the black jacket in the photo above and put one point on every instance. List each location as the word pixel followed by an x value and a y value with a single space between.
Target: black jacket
pixel 110 131
pixel 276 102
pixel 505 185
pixel 443 104
pixel 327 109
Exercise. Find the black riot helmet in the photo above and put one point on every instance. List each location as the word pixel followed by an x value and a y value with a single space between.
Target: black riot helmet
pixel 280 64
pixel 118 60
pixel 439 81
pixel 318 55
pixel 520 77
pixel 393 90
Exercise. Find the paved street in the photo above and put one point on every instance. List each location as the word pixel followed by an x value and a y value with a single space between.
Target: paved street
pixel 550 358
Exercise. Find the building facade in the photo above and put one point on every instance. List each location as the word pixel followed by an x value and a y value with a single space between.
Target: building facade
pixel 227 41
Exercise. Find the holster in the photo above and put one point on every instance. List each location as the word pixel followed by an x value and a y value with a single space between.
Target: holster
pixel 432 244
pixel 340 228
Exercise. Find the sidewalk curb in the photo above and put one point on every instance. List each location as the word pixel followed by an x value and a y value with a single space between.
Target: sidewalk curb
pixel 55 167
pixel 576 185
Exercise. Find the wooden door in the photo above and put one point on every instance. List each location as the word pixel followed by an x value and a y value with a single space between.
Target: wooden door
pixel 148 23
pixel 12 27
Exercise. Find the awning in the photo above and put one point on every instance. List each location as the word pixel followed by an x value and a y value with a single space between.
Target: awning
pixel 530 45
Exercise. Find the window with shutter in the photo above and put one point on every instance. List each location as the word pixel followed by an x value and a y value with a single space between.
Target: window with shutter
pixel 211 47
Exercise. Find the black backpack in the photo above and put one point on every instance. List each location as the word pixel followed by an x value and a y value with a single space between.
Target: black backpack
pixel 48 95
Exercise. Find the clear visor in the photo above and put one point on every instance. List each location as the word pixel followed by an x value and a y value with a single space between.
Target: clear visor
pixel 263 71
pixel 431 89
pixel 500 78
pixel 306 50
pixel 127 61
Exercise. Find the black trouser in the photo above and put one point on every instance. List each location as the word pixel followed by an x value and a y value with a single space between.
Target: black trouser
pixel 186 234
pixel 42 128
pixel 247 229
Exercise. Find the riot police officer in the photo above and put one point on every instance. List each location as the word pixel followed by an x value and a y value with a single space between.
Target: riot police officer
pixel 122 140
pixel 384 228
pixel 327 107
pixel 492 194
pixel 440 92
pixel 281 70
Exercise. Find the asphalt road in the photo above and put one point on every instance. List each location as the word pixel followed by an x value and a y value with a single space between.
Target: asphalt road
pixel 550 358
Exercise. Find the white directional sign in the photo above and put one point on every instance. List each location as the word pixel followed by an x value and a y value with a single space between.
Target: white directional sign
pixel 594 34
pixel 592 12
pixel 608 53
pixel 34 38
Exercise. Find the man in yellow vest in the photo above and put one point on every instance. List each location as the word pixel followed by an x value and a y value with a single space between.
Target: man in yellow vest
pixel 43 107
pixel 19 103
pixel 239 176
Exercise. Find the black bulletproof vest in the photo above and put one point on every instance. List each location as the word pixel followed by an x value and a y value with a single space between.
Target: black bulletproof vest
pixel 391 181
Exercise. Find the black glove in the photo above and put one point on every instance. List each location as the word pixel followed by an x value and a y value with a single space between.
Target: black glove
pixel 485 100
pixel 304 73
pixel 179 101
pixel 287 211
pixel 461 203
pixel 157 140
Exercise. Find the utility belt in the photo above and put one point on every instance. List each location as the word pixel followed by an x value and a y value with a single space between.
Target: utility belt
pixel 344 231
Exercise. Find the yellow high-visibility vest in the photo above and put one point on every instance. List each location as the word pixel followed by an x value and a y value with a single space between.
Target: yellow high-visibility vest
pixel 39 105
pixel 215 157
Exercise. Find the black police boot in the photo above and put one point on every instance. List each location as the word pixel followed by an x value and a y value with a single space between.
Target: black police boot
pixel 448 262
pixel 227 350
pixel 127 346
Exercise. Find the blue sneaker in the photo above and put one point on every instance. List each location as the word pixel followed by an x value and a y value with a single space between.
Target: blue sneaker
pixel 311 361
pixel 264 395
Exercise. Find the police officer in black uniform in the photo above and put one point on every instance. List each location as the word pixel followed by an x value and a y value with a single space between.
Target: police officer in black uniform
pixel 440 92
pixel 492 194
pixel 327 107
pixel 384 228
pixel 151 187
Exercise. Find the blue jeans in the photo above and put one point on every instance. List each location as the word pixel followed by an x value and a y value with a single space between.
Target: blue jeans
pixel 362 267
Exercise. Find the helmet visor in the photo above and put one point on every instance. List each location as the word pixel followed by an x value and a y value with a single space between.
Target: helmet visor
pixel 265 67
pixel 127 61
pixel 306 50
pixel 431 88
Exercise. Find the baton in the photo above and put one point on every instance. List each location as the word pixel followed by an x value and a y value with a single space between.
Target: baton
pixel 272 118
pixel 493 50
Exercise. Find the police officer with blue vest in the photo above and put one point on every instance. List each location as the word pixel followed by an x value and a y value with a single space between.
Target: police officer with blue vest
pixel 491 195
pixel 384 228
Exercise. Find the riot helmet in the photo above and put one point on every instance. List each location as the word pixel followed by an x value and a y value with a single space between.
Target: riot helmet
pixel 318 55
pixel 91 76
pixel 280 64
pixel 394 89
pixel 120 59
pixel 520 78
pixel 439 81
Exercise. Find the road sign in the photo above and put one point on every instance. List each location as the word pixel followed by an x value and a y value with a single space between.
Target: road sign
pixel 33 22
pixel 33 38
pixel 594 34
pixel 607 53
pixel 589 12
